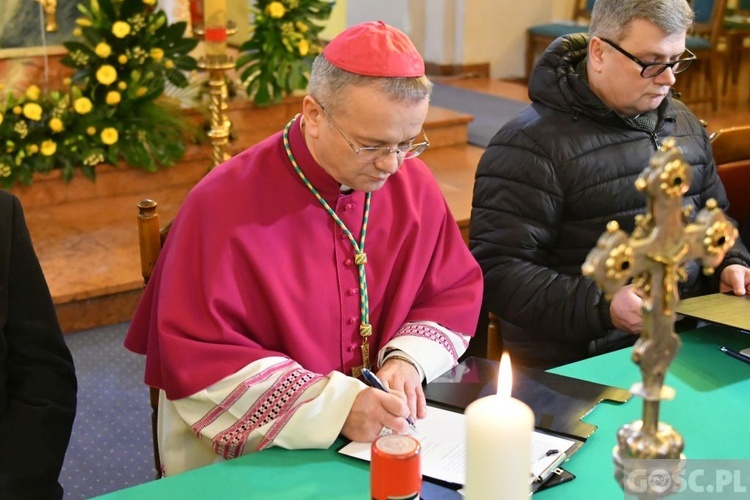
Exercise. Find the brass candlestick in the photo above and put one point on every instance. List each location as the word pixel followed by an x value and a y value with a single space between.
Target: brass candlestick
pixel 50 14
pixel 217 64
pixel 654 257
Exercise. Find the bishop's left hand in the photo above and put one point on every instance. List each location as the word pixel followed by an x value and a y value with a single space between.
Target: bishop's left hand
pixel 735 278
pixel 400 376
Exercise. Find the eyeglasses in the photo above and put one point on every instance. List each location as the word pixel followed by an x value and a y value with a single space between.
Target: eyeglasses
pixel 651 70
pixel 370 154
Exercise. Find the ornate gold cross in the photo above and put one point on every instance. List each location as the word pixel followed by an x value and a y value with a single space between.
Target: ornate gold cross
pixel 654 257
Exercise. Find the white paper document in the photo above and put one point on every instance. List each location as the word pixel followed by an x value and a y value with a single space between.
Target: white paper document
pixel 442 436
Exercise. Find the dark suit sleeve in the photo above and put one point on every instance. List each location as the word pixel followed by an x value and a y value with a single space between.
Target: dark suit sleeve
pixel 37 379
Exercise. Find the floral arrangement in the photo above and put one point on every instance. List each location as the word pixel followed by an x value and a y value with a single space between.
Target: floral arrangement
pixel 123 54
pixel 276 60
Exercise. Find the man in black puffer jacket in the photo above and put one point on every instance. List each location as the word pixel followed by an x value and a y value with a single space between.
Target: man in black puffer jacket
pixel 552 178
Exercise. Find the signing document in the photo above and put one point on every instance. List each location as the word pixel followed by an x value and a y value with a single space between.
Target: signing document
pixel 443 438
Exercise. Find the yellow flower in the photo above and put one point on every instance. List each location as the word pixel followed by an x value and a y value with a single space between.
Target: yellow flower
pixel 304 47
pixel 67 81
pixel 122 59
pixel 82 21
pixel 149 2
pixel 49 147
pixel 157 54
pixel 1 118
pixel 103 50
pixel 276 10
pixel 4 170
pixel 169 64
pixel 122 85
pixel 32 93
pixel 56 125
pixel 32 149
pixel 82 105
pixel 32 111
pixel 121 29
pixel 17 110
pixel 91 130
pixel 77 32
pixel 106 74
pixel 109 135
pixel 301 27
pixel 113 97
pixel 141 91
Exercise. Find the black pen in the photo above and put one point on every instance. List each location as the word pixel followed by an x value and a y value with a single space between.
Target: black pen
pixel 735 354
pixel 373 381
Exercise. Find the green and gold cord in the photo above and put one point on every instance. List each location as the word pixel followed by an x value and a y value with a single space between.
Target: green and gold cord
pixel 360 257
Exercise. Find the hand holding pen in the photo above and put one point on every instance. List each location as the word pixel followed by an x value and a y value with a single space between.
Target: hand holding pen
pixel 373 381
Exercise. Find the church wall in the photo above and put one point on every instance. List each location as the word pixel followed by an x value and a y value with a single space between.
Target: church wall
pixel 465 32
pixel 337 22
pixel 496 32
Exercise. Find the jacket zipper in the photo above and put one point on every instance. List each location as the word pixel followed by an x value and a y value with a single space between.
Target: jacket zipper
pixel 655 140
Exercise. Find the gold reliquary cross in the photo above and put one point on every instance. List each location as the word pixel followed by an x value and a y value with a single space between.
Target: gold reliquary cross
pixel 653 258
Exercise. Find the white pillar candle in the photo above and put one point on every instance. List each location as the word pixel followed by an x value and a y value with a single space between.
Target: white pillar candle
pixel 498 444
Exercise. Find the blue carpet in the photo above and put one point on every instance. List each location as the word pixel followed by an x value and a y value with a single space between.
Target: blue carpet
pixel 110 447
pixel 490 112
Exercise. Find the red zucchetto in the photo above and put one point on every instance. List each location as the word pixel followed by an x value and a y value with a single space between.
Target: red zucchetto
pixel 375 49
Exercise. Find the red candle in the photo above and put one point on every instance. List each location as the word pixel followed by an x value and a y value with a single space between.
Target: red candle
pixel 196 12
pixel 215 26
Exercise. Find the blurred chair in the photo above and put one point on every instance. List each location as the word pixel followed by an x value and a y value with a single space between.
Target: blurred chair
pixel 731 148
pixel 539 37
pixel 150 240
pixel 706 42
pixel 487 341
pixel 736 32
pixel 494 338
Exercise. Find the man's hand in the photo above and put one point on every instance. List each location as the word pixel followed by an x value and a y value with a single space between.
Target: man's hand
pixel 625 310
pixel 401 376
pixel 735 278
pixel 372 410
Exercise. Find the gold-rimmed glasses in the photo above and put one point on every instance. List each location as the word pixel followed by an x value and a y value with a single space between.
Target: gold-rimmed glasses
pixel 369 154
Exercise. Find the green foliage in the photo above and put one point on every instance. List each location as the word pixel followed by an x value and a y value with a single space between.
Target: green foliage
pixel 276 60
pixel 124 52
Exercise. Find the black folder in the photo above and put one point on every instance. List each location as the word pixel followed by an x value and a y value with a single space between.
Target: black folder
pixel 558 402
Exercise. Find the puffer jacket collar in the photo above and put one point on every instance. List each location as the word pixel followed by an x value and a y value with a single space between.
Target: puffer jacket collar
pixel 555 83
